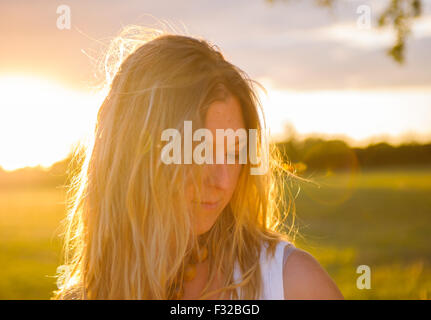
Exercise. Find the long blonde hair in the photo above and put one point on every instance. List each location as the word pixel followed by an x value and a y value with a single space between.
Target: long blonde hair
pixel 128 231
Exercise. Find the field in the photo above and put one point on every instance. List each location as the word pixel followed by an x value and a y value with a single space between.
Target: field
pixel 379 218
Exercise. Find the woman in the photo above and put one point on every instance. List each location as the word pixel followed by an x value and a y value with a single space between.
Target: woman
pixel 141 227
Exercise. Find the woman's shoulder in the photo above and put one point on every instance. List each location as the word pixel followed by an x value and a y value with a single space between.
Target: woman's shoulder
pixel 304 277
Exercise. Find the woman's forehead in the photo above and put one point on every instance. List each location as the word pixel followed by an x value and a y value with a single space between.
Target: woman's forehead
pixel 225 115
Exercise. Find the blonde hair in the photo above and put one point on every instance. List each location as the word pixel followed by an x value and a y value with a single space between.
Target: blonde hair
pixel 123 239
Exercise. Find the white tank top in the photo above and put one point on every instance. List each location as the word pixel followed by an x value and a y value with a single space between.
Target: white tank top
pixel 272 271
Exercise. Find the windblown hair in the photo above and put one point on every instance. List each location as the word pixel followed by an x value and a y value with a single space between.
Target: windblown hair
pixel 128 230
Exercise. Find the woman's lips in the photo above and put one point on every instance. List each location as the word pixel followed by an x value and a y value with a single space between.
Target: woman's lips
pixel 207 204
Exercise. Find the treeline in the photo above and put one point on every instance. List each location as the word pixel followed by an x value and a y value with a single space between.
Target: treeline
pixel 319 154
pixel 308 154
pixel 57 175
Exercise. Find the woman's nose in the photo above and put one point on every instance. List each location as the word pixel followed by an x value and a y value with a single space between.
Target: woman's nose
pixel 218 175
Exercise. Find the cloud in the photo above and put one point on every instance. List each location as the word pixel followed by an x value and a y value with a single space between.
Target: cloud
pixel 350 34
pixel 295 44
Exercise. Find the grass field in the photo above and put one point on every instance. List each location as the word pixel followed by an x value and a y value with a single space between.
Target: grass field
pixel 378 218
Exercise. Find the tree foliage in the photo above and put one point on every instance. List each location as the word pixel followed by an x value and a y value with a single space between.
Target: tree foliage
pixel 398 15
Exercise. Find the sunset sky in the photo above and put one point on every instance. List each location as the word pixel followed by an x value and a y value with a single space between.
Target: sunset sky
pixel 322 73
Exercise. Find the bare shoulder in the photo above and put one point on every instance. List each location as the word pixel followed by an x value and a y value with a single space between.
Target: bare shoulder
pixel 305 279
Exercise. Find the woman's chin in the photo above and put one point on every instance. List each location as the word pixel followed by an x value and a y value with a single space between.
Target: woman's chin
pixel 201 229
pixel 204 225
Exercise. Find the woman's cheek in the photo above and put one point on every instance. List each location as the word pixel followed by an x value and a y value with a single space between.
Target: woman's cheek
pixel 235 173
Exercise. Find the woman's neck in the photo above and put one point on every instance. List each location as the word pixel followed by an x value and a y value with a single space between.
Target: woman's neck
pixel 193 288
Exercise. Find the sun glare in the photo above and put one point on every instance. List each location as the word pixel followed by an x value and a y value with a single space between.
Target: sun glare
pixel 357 115
pixel 40 120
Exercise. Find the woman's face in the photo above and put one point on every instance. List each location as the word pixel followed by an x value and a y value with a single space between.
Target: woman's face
pixel 219 180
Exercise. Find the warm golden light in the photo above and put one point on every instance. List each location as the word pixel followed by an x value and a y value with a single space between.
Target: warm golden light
pixel 40 120
pixel 359 115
